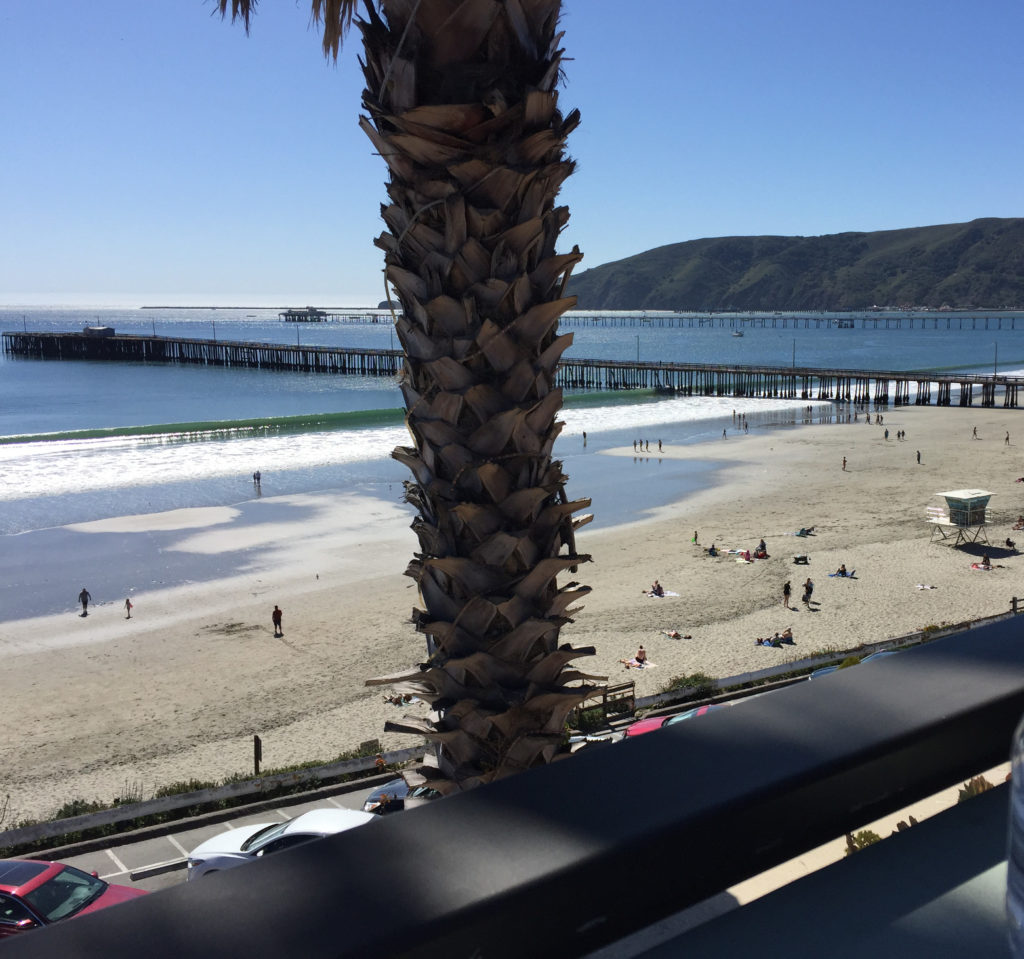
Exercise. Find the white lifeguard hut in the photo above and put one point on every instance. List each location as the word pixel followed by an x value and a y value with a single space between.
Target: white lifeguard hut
pixel 964 518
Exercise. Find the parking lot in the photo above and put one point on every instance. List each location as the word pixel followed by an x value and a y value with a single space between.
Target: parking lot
pixel 157 862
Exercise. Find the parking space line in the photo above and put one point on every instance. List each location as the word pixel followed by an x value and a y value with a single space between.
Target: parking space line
pixel 334 802
pixel 117 862
pixel 177 845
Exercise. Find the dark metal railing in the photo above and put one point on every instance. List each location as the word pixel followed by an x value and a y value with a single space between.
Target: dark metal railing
pixel 564 859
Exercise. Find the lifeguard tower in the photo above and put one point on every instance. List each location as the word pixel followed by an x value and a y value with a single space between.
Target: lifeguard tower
pixel 964 518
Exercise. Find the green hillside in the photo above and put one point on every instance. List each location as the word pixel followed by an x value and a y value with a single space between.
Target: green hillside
pixel 974 265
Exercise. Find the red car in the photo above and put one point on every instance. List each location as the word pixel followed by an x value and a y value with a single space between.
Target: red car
pixel 34 893
pixel 652 723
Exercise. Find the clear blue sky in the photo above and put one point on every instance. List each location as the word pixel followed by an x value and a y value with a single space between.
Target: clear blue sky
pixel 155 154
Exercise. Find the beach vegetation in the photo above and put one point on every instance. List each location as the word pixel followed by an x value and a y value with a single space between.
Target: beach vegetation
pixel 466 114
pixel 697 685
pixel 973 787
pixel 856 841
pixel 131 792
pixel 78 807
pixel 134 793
pixel 590 720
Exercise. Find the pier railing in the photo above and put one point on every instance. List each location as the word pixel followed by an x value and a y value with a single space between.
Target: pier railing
pixel 165 349
pixel 899 387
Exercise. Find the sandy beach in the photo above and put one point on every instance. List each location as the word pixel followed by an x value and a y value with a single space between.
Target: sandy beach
pixel 107 704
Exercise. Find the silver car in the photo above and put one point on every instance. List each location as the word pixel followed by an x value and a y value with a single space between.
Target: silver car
pixel 242 845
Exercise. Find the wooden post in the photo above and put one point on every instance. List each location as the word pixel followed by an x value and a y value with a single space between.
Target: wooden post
pixel 257 754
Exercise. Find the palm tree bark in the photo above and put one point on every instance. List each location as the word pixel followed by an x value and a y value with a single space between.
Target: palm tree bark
pixel 461 102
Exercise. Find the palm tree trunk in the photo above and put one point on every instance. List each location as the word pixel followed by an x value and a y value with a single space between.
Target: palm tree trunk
pixel 462 104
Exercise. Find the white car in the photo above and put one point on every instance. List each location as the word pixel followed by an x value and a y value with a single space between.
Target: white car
pixel 238 846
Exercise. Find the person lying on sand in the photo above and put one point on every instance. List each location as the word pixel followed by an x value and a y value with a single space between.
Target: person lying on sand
pixel 401 700
pixel 675 634
pixel 632 664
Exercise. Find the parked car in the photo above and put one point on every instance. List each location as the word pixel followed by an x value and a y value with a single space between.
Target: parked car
pixel 394 795
pixel 881 654
pixel 826 670
pixel 246 843
pixel 656 722
pixel 35 893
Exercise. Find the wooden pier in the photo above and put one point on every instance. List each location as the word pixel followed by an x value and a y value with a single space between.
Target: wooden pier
pixel 163 349
pixel 687 379
pixel 795 321
pixel 897 387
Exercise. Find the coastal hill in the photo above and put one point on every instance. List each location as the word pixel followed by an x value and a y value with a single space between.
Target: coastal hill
pixel 972 265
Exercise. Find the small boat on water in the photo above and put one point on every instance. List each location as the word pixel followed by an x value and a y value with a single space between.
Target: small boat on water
pixel 737 332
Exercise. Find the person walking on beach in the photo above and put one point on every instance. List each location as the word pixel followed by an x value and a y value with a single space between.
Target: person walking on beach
pixel 694 540
pixel 1006 442
pixel 275 616
pixel 787 591
pixel 808 591
pixel 974 433
pixel 918 457
pixel 83 598
pixel 844 464
pixel 128 608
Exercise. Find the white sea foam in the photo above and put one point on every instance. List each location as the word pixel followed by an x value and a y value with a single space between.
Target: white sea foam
pixel 62 467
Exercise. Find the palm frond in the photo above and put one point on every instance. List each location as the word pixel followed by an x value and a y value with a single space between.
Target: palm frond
pixel 334 15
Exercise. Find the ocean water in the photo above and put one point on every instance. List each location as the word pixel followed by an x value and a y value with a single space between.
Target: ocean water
pixel 82 440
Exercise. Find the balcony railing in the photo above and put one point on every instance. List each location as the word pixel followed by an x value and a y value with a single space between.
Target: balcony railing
pixel 566 859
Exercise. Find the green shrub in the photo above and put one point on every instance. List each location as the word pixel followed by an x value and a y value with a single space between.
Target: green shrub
pixel 698 685
pixel 183 786
pixel 78 807
pixel 856 841
pixel 973 787
pixel 591 719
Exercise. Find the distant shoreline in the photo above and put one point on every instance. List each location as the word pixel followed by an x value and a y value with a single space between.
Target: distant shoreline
pixel 356 309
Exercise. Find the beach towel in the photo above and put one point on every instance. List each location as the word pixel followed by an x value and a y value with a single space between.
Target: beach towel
pixel 633 664
pixel 667 592
pixel 849 575
pixel 745 562
pixel 926 586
